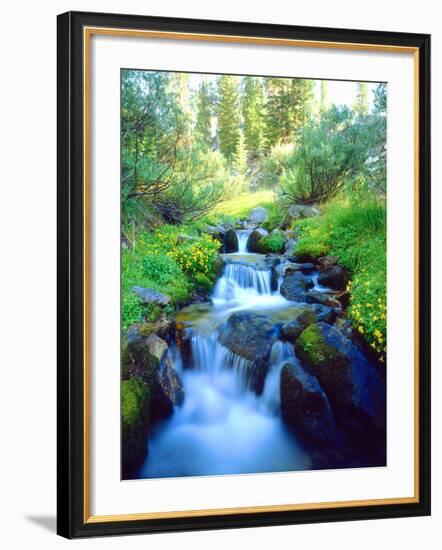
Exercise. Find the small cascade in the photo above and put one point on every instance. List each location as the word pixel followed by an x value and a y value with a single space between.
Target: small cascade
pixel 243 237
pixel 225 369
pixel 238 277
pixel 282 353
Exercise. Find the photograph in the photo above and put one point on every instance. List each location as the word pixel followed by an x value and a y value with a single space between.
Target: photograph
pixel 253 274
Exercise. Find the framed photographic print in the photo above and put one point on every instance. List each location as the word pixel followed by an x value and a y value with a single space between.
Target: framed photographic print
pixel 243 274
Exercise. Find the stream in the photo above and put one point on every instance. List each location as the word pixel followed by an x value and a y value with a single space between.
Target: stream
pixel 223 427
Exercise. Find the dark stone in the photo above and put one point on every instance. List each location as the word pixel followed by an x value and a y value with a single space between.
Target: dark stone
pixel 327 261
pixel 324 314
pixel 291 330
pixel 230 241
pixel 295 285
pixel 307 267
pixel 250 336
pixel 304 405
pixel 253 241
pixel 150 296
pixel 355 391
pixel 335 277
pixel 324 298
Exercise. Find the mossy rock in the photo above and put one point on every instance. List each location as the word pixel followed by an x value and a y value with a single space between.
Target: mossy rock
pixel 135 398
pixel 291 330
pixel 312 348
pixel 275 242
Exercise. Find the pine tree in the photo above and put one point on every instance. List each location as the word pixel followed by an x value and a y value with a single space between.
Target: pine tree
pixel 361 103
pixel 228 116
pixel 323 100
pixel 301 97
pixel 241 156
pixel 204 109
pixel 253 116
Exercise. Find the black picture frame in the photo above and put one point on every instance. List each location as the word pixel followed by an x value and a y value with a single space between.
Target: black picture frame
pixel 71 513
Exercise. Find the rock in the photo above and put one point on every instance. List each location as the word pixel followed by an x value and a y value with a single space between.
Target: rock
pixel 304 405
pixel 344 298
pixel 215 230
pixel 156 347
pixel 290 247
pixel 335 277
pixel 324 314
pixel 327 261
pixel 253 241
pixel 135 399
pixel 258 215
pixel 184 341
pixel 144 357
pixel 354 389
pixel 184 238
pixel 151 296
pixel 250 336
pixel 298 211
pixel 295 285
pixel 171 383
pixel 230 241
pixel 291 330
pixel 324 298
pixel 304 268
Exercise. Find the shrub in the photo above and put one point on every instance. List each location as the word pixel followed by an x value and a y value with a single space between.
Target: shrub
pixel 274 242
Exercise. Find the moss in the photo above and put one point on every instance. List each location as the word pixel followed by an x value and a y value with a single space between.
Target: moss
pixel 202 282
pixel 310 347
pixel 274 242
pixel 134 423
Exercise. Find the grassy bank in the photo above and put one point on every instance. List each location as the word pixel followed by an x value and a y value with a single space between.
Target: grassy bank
pixel 354 230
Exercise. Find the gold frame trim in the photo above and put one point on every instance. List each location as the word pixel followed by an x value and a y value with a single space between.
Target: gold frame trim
pixel 87 34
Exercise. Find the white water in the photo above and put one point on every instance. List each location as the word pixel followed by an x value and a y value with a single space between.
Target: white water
pixel 222 426
pixel 243 237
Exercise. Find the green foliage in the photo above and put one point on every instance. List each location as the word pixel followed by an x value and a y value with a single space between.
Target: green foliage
pixel 161 269
pixel 330 154
pixel 271 166
pixel 361 103
pixel 354 229
pixel 274 242
pixel 287 108
pixel 203 125
pixel 323 99
pixel 253 115
pixel 228 116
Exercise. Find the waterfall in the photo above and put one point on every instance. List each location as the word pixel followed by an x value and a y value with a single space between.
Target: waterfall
pixel 225 368
pixel 243 237
pixel 241 281
pixel 282 353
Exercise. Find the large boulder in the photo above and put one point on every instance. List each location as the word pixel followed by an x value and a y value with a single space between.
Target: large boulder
pixel 304 405
pixel 290 247
pixel 291 330
pixel 171 383
pixel 230 241
pixel 258 215
pixel 295 286
pixel 151 296
pixel 145 358
pixel 298 211
pixel 335 277
pixel 353 387
pixel 251 336
pixel 327 261
pixel 253 241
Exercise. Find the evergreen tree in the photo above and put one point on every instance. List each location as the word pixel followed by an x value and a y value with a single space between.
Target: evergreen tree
pixel 228 116
pixel 361 103
pixel 323 100
pixel 241 156
pixel 253 111
pixel 380 98
pixel 204 109
pixel 287 109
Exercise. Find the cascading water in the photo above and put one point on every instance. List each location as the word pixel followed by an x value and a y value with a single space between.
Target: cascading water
pixel 223 427
pixel 243 236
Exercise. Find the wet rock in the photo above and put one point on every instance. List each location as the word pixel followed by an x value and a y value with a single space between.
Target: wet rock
pixel 290 247
pixel 335 277
pixel 295 285
pixel 157 347
pixel 304 405
pixel 258 215
pixel 291 330
pixel 253 241
pixel 171 383
pixel 151 296
pixel 230 241
pixel 324 314
pixel 307 267
pixel 324 298
pixel 354 389
pixel 250 336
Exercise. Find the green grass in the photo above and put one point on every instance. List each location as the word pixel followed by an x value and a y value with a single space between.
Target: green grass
pixel 355 232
